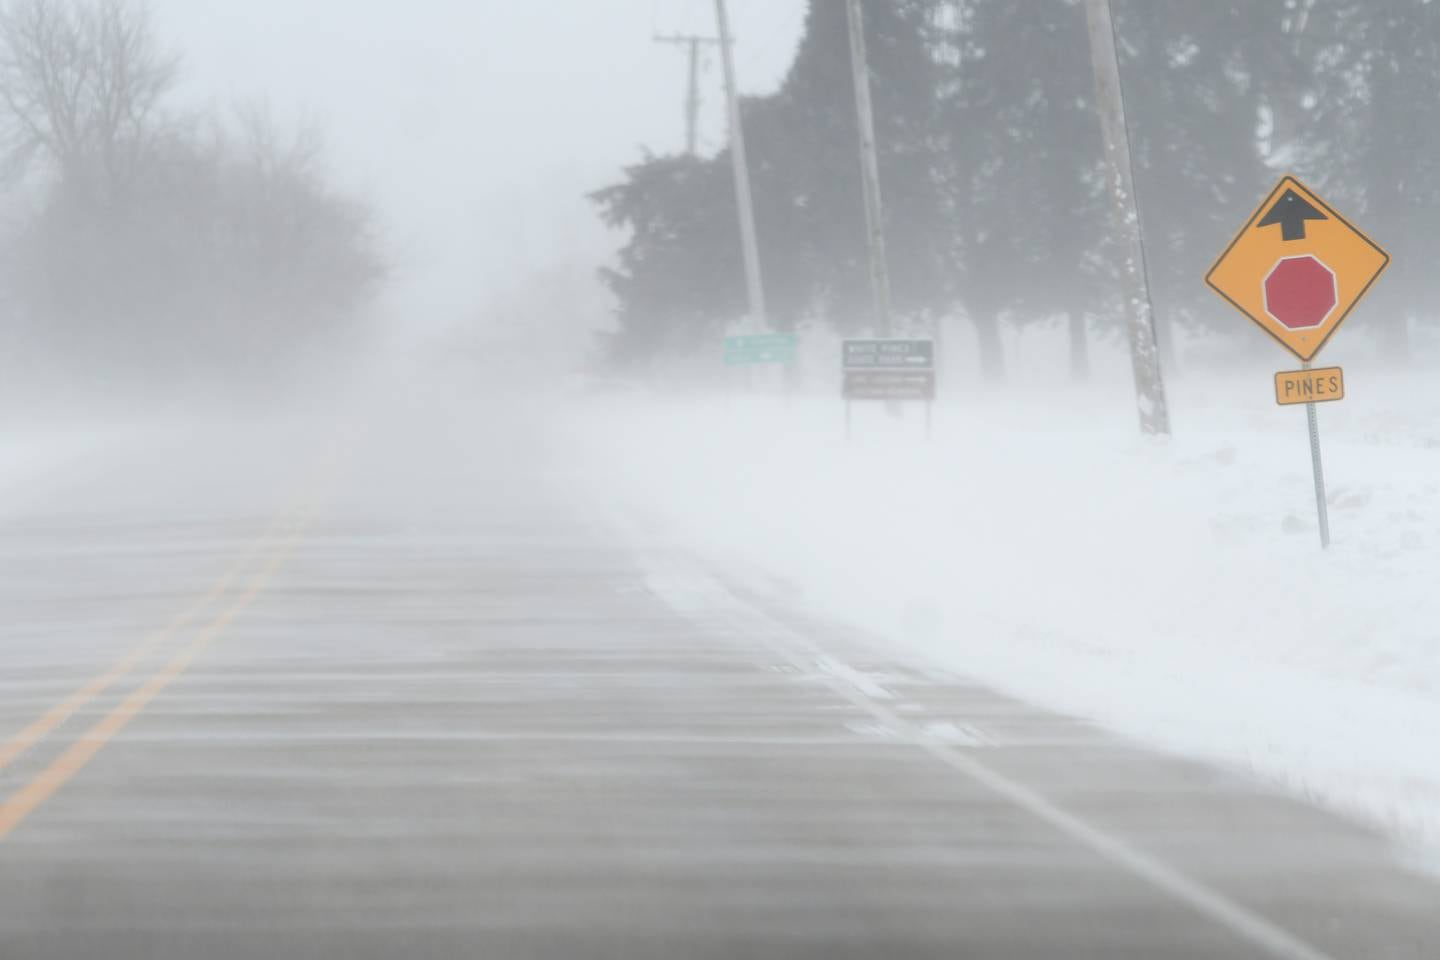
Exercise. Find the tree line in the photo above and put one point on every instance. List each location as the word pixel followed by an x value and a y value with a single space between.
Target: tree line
pixel 138 236
pixel 997 213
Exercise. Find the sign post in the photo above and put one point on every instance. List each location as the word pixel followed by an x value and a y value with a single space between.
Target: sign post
pixel 889 370
pixel 1297 269
pixel 1322 508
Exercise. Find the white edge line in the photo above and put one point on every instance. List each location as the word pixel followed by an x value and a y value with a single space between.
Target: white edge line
pixel 782 639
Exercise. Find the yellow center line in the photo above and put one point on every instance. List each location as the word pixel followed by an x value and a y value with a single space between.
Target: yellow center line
pixel 22 803
pixel 43 726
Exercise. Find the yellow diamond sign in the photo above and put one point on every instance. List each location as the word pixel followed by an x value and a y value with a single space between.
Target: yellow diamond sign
pixel 1297 268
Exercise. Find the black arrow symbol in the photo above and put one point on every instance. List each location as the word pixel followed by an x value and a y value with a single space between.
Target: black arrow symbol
pixel 1291 211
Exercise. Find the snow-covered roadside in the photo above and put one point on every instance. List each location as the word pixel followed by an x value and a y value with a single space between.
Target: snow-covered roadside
pixel 1172 591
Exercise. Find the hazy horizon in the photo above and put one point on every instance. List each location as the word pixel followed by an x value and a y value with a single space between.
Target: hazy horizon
pixel 475 187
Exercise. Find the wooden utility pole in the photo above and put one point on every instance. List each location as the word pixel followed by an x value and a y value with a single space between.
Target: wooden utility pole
pixel 744 201
pixel 1110 102
pixel 870 173
pixel 693 45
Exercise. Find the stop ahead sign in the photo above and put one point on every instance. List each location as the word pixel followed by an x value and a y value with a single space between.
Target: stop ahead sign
pixel 1297 268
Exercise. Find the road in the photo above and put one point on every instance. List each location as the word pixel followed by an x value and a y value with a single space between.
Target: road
pixel 391 691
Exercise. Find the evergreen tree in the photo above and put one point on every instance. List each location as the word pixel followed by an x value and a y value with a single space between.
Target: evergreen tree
pixel 1372 140
pixel 1193 87
pixel 810 166
pixel 679 279
pixel 993 175
pixel 1024 167
pixel 679 276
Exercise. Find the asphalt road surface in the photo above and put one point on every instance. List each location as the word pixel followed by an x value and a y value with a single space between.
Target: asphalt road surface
pixel 390 692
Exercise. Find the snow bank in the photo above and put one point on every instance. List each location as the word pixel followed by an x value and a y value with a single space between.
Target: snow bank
pixel 1173 591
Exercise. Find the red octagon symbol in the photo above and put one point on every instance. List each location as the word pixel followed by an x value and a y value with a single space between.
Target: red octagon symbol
pixel 1300 292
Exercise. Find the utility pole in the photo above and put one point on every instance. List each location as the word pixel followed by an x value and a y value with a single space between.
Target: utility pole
pixel 743 198
pixel 693 43
pixel 1110 101
pixel 870 173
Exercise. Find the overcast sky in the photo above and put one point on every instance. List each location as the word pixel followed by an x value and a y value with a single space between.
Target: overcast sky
pixel 476 125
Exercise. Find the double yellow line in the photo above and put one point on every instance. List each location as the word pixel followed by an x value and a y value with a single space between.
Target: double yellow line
pixel 272 548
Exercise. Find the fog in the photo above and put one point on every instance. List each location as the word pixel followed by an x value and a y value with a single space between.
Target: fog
pixel 476 128
pixel 427 530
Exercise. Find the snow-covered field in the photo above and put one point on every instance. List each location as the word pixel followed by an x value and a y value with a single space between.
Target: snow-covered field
pixel 1174 591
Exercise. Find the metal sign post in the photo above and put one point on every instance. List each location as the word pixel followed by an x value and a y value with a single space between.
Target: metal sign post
pixel 1321 507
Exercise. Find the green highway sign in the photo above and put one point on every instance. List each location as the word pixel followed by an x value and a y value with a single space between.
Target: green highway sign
pixel 759 348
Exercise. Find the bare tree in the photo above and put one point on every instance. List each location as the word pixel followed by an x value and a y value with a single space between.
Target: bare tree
pixel 80 87
pixel 314 246
pixel 156 241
